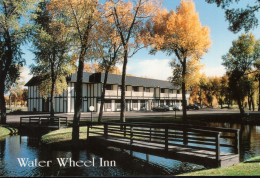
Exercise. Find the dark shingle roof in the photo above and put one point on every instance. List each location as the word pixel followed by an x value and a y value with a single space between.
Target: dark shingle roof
pixel 112 79
pixel 116 79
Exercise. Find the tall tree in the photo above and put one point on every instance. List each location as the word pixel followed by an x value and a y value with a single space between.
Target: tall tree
pixel 257 70
pixel 13 33
pixel 81 17
pixel 129 18
pixel 51 44
pixel 180 34
pixel 108 50
pixel 238 61
pixel 239 18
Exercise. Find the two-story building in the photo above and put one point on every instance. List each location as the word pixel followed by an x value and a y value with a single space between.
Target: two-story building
pixel 141 94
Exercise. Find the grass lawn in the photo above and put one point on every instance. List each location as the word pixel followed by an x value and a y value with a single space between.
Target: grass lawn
pixel 63 135
pixel 6 130
pixel 248 168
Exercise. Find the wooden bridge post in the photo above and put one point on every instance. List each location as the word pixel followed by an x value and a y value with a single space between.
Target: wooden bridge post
pixel 166 139
pixel 59 122
pixel 150 133
pixel 185 139
pixel 39 122
pixel 218 147
pixel 88 132
pixel 124 130
pixel 131 134
pixel 105 130
pixel 237 150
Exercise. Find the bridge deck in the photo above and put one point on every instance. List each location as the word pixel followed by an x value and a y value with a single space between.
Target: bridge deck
pixel 188 143
pixel 182 153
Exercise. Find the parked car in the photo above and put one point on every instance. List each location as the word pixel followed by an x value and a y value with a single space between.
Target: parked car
pixel 174 108
pixel 161 108
pixel 193 106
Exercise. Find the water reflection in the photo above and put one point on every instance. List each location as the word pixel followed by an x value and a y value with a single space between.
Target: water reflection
pixel 249 138
pixel 128 163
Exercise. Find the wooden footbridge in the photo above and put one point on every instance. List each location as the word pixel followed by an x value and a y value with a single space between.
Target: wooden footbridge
pixel 51 122
pixel 189 143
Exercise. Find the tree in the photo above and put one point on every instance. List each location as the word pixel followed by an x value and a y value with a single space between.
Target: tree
pixel 238 61
pixel 16 90
pixel 81 17
pixel 240 18
pixel 51 43
pixel 13 33
pixel 129 19
pixel 108 50
pixel 180 34
pixel 257 65
pixel 88 67
pixel 25 95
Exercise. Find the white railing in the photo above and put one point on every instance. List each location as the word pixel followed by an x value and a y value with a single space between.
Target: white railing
pixel 111 93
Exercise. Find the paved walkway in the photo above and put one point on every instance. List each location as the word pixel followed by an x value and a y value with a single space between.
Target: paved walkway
pixel 133 114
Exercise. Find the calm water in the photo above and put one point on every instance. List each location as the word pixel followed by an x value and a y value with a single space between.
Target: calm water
pixel 127 164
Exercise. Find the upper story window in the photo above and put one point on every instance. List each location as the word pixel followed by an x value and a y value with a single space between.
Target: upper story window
pixel 162 90
pixel 170 91
pixel 135 88
pixel 109 87
pixel 119 88
pixel 178 91
pixel 147 90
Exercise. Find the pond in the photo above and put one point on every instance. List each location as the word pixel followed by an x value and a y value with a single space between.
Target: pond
pixel 126 163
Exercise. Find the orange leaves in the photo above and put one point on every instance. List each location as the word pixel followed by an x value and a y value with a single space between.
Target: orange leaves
pixel 181 30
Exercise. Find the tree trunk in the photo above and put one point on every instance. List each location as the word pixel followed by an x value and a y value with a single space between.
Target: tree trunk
pixel 253 103
pixel 259 93
pixel 240 105
pixel 249 102
pixel 183 87
pixel 122 112
pixel 78 101
pixel 53 81
pixel 103 98
pixel 2 103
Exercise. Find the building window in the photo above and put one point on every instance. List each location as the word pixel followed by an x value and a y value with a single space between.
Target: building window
pixel 142 103
pixel 119 88
pixel 107 104
pixel 162 90
pixel 135 104
pixel 178 92
pixel 161 103
pixel 136 89
pixel 171 91
pixel 118 104
pixel 147 90
pixel 109 87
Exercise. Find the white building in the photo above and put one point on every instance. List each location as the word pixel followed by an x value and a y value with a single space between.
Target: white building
pixel 141 94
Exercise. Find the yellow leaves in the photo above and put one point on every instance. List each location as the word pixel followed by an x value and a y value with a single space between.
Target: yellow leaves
pixel 181 30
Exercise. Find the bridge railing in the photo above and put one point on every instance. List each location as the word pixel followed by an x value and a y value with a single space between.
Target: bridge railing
pixel 168 136
pixel 44 120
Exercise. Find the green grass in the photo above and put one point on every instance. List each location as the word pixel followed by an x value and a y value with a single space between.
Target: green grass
pixel 6 130
pixel 64 135
pixel 248 168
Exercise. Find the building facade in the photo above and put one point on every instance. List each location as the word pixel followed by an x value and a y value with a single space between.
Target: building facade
pixel 141 94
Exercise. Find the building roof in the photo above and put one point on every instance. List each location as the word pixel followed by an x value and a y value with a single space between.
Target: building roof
pixel 114 79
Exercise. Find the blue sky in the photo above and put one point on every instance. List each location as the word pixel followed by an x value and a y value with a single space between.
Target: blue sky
pixel 157 66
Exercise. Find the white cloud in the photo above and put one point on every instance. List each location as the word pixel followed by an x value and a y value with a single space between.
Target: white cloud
pixel 25 74
pixel 157 69
pixel 214 71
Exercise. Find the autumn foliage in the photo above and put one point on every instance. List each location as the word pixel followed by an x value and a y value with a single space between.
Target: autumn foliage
pixel 179 33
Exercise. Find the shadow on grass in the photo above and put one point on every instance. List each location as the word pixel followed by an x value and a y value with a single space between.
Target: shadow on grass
pixel 13 131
